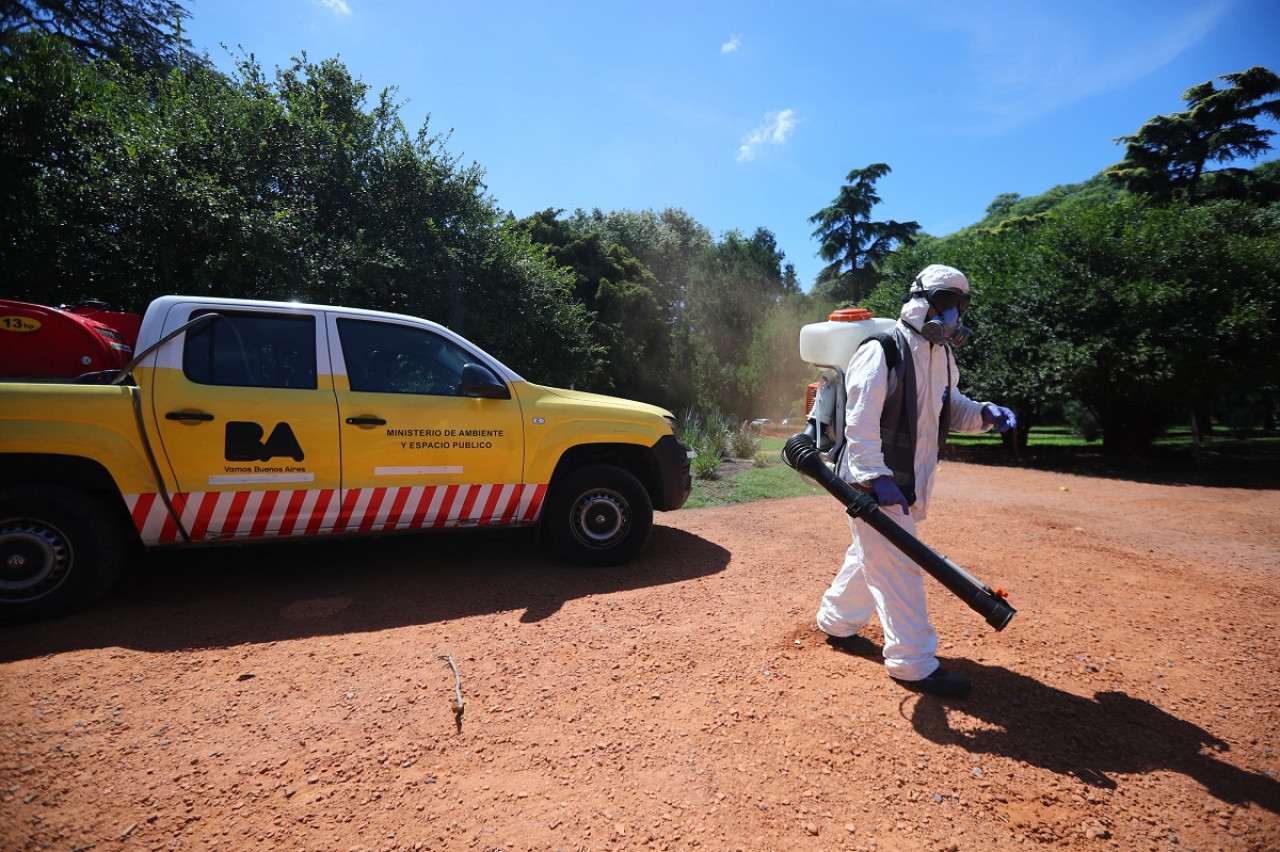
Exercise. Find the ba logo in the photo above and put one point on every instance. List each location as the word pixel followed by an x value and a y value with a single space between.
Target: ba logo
pixel 244 442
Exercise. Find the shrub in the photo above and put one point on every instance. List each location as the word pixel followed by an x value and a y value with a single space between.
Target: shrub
pixel 744 441
pixel 706 466
pixel 689 427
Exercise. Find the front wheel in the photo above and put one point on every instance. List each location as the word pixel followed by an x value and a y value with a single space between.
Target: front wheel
pixel 599 515
pixel 58 551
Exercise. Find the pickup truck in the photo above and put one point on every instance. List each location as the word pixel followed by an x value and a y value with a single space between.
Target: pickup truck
pixel 239 420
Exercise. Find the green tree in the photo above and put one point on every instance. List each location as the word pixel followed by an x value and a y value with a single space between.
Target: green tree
pixel 1012 210
pixel 390 221
pixel 669 244
pixel 617 289
pixel 636 343
pixel 147 32
pixel 1134 309
pixel 124 185
pixel 775 372
pixel 1169 154
pixel 731 288
pixel 1006 359
pixel 590 258
pixel 1003 206
pixel 852 244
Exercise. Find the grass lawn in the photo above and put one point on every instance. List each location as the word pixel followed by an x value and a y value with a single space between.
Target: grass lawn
pixel 1245 460
pixel 742 481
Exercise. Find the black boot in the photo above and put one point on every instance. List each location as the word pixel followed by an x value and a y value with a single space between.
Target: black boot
pixel 941 683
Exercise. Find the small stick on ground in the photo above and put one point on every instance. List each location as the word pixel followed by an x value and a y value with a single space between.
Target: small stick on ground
pixel 455 702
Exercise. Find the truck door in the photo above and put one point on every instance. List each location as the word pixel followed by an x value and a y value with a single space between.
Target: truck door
pixel 417 451
pixel 248 422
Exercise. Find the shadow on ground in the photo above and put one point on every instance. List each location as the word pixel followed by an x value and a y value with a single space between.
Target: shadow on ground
pixel 223 596
pixel 1088 738
pixel 1259 470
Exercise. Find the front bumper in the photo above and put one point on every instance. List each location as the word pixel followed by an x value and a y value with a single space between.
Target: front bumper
pixel 674 473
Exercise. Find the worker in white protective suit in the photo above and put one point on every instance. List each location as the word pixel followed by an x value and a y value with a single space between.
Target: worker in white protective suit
pixel 892 436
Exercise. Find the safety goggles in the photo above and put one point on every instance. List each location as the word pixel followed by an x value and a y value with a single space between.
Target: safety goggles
pixel 945 300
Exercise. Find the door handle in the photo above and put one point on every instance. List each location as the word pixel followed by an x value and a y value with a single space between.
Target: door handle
pixel 189 415
pixel 366 421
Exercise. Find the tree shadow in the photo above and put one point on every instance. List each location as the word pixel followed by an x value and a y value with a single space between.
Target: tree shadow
pixel 224 596
pixel 1089 739
pixel 1255 467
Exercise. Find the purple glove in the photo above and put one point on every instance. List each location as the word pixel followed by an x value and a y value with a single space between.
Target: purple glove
pixel 998 417
pixel 888 493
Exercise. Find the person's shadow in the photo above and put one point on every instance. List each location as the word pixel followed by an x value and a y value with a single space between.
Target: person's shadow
pixel 1087 738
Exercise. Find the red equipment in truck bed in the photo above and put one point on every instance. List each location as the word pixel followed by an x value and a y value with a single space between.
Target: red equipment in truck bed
pixel 38 342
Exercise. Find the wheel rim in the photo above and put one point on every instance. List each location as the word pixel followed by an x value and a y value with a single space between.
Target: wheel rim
pixel 35 559
pixel 601 518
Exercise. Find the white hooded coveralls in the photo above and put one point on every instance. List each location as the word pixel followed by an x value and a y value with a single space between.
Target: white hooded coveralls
pixel 877 577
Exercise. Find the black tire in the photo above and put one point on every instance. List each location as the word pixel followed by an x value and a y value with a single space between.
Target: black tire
pixel 598 515
pixel 59 550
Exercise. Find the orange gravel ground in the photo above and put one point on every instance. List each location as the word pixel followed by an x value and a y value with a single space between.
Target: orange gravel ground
pixel 302 697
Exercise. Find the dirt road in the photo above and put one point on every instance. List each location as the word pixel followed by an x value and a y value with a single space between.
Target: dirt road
pixel 303 697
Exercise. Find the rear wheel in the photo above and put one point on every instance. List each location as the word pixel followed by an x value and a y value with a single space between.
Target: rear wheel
pixel 599 515
pixel 58 551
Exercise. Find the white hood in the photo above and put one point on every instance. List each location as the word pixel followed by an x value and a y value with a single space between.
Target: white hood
pixel 914 312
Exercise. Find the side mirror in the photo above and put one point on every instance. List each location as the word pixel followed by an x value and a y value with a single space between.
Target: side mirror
pixel 479 381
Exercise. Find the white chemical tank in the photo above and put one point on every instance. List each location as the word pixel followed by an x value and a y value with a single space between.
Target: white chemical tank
pixel 832 343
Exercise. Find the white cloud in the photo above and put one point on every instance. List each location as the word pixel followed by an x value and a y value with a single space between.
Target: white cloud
pixel 776 128
pixel 734 42
pixel 339 7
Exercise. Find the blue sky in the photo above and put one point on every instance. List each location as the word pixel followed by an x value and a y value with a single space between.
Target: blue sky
pixel 751 114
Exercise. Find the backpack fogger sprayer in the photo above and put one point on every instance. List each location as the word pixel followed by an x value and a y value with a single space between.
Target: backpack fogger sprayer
pixel 801 454
pixel 830 346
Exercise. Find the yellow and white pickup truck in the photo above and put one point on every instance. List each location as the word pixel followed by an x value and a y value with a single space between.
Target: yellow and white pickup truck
pixel 239 420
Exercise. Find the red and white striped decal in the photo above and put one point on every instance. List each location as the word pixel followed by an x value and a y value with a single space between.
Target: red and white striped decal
pixel 255 514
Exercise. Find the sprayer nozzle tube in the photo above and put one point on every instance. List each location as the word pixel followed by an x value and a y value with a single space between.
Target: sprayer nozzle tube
pixel 800 453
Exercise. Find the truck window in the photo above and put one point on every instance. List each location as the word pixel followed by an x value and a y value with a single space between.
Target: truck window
pixel 253 350
pixel 390 358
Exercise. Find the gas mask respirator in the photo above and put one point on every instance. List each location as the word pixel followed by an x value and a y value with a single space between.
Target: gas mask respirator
pixel 944 326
